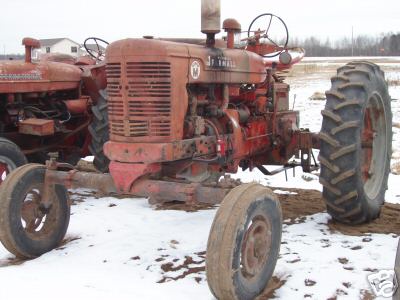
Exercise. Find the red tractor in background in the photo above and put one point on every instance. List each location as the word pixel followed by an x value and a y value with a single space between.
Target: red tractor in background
pixel 182 114
pixel 46 106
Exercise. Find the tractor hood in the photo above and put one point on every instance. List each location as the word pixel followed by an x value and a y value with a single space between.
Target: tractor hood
pixel 201 64
pixel 22 77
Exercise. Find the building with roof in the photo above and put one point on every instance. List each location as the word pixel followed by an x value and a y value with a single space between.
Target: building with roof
pixel 59 45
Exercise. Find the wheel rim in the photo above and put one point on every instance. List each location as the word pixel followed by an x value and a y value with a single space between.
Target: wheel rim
pixel 37 220
pixel 374 146
pixel 255 247
pixel 6 166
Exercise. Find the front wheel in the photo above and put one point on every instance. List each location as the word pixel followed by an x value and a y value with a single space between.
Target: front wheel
pixel 28 228
pixel 356 143
pixel 244 241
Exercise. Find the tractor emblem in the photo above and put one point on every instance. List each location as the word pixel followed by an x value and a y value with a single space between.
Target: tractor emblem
pixel 195 70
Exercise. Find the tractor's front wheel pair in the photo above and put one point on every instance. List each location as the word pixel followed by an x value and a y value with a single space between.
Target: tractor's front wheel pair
pixel 242 249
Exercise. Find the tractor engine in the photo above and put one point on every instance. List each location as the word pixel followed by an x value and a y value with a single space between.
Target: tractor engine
pixel 193 112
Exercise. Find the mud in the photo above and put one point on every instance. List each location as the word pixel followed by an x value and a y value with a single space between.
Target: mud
pixel 176 205
pixel 11 261
pixel 274 284
pixel 307 202
pixel 187 267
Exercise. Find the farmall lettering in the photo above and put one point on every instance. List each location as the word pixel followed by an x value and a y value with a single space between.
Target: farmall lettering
pixel 220 62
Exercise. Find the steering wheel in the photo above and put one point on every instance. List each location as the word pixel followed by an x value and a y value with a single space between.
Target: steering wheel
pixel 264 33
pixel 96 49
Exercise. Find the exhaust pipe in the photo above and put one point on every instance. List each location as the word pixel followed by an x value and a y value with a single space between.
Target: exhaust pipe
pixel 210 20
pixel 30 44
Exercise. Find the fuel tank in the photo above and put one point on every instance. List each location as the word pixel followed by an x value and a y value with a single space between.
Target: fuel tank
pixel 22 77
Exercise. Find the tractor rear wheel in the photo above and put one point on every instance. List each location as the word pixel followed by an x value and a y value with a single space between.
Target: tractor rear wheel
pixel 28 228
pixel 11 157
pixel 356 138
pixel 99 131
pixel 244 241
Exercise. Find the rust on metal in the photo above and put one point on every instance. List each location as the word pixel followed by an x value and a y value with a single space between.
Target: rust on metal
pixel 40 127
pixel 182 112
pixel 256 246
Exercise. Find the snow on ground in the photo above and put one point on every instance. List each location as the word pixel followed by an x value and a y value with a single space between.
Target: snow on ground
pixel 125 249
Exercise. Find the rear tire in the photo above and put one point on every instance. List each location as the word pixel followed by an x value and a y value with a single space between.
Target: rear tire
pixel 100 135
pixel 356 137
pixel 244 241
pixel 27 228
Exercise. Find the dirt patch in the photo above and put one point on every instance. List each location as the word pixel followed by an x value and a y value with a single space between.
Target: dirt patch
pixel 296 206
pixel 366 295
pixel 176 205
pixel 302 203
pixel 388 222
pixel 308 202
pixel 319 96
pixel 189 266
pixel 12 261
pixel 309 282
pixel 274 284
pixel 67 240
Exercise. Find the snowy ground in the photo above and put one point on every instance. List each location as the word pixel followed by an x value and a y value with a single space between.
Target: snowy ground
pixel 125 249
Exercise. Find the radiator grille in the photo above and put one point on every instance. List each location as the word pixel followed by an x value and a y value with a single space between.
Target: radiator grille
pixel 113 72
pixel 147 95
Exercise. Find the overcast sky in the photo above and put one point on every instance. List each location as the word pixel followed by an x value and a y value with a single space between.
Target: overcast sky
pixel 116 19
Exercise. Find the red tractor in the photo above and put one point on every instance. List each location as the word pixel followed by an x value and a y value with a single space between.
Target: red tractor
pixel 45 106
pixel 182 115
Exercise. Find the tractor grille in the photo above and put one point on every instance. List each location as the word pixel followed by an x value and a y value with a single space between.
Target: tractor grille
pixel 113 72
pixel 143 108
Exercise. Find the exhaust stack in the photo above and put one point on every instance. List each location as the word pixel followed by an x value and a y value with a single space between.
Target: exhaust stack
pixel 29 44
pixel 210 19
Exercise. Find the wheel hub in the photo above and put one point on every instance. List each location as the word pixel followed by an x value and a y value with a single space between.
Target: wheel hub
pixel 256 247
pixel 373 146
pixel 33 212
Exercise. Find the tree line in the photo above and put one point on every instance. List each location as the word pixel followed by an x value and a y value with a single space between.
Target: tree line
pixel 363 45
pixel 12 57
pixel 384 45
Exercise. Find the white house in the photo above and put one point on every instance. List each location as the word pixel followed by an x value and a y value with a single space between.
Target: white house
pixel 59 45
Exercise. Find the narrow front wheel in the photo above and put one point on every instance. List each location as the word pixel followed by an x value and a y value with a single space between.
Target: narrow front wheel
pixel 244 241
pixel 28 226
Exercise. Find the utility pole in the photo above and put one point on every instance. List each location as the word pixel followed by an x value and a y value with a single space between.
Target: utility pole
pixel 352 41
pixel 4 51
